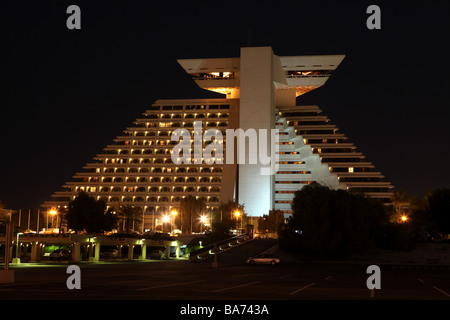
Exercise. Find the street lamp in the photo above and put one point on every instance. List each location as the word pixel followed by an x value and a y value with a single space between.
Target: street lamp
pixel 203 221
pixel 174 213
pixel 53 212
pixel 404 218
pixel 17 259
pixel 237 214
pixel 165 219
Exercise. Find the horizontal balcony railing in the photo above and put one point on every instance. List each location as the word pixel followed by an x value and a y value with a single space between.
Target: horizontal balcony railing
pixel 308 76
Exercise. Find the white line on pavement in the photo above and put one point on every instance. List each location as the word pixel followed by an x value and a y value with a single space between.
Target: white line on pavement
pixel 242 285
pixel 442 291
pixel 303 288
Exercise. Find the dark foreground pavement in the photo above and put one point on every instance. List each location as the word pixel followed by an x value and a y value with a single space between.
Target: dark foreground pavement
pixel 231 280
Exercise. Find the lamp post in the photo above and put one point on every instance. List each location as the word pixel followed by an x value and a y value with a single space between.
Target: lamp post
pixel 237 214
pixel 165 219
pixel 17 259
pixel 203 221
pixel 53 212
pixel 174 213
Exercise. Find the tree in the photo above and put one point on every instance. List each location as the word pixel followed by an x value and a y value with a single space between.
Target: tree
pixel 128 215
pixel 438 210
pixel 190 210
pixel 88 214
pixel 332 222
pixel 271 222
pixel 63 218
pixel 398 198
pixel 224 217
pixel 4 218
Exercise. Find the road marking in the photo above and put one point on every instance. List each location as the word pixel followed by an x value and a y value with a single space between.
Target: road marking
pixel 242 285
pixel 420 280
pixel 328 278
pixel 170 285
pixel 303 288
pixel 442 291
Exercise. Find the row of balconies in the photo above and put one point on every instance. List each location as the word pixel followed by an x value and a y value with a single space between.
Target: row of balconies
pixel 199 107
pixel 180 115
pixel 144 190
pixel 140 131
pixel 147 199
pixel 163 150
pixel 157 170
pixel 128 145
pixel 177 124
pixel 160 160
pixel 162 179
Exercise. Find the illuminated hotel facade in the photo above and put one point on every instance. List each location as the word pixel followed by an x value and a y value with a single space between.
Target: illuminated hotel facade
pixel 260 91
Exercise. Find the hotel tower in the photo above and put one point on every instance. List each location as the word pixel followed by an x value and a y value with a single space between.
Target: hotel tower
pixel 260 91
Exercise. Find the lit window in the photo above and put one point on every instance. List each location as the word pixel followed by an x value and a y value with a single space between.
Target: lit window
pixel 350 169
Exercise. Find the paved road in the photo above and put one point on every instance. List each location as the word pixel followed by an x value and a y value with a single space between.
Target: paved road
pixel 232 280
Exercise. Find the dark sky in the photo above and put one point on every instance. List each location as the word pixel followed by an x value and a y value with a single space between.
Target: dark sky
pixel 69 93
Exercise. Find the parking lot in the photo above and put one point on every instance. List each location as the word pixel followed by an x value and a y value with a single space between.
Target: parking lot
pixel 233 279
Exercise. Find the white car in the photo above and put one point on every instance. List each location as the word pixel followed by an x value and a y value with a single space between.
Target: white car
pixel 265 258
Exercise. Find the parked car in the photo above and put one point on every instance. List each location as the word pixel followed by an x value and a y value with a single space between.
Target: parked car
pixel 157 255
pixel 265 258
pixel 260 235
pixel 60 254
pixel 111 253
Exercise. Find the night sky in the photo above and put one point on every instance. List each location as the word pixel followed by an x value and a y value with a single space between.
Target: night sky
pixel 69 93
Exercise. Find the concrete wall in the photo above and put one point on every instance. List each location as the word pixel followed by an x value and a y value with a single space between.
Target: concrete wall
pixel 256 112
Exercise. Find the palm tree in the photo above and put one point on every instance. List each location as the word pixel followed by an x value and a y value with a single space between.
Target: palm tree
pixel 128 215
pixel 399 197
pixel 190 210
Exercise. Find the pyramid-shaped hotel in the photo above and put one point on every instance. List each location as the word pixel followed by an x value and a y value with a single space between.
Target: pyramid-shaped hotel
pixel 260 91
